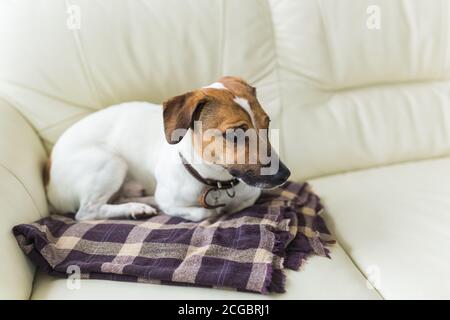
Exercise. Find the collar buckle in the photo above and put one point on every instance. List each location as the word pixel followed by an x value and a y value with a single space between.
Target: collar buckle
pixel 211 184
pixel 233 192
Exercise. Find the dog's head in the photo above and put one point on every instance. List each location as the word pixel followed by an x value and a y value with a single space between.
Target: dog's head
pixel 230 129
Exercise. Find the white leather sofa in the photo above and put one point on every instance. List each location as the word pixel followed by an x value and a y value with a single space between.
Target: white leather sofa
pixel 360 93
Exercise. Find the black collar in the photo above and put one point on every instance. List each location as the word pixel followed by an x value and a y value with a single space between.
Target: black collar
pixel 217 184
pixel 211 186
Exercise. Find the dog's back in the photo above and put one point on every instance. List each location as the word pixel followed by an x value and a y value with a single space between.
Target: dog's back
pixel 113 130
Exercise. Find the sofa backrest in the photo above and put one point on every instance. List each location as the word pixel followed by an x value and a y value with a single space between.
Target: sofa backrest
pixel 351 84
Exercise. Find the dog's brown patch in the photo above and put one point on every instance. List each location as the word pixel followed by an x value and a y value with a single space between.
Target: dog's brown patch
pixel 216 109
pixel 179 111
pixel 242 89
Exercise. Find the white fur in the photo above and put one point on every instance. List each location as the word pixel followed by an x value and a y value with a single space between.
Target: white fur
pixel 216 85
pixel 242 102
pixel 246 106
pixel 118 152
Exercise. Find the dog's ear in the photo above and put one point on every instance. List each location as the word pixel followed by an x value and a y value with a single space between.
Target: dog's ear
pixel 178 114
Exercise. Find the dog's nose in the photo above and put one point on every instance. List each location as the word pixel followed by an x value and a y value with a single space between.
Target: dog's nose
pixel 282 175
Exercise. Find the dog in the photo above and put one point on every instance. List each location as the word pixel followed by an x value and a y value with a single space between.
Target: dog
pixel 129 160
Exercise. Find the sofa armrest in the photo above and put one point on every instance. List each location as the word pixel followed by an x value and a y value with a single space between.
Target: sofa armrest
pixel 22 197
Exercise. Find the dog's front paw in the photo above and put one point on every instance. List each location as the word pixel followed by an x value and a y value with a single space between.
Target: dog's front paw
pixel 140 210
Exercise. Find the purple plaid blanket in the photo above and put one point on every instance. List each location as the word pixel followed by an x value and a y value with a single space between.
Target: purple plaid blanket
pixel 246 251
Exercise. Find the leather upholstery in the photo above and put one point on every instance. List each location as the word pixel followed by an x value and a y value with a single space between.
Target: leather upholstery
pixel 319 279
pixel 394 223
pixel 22 197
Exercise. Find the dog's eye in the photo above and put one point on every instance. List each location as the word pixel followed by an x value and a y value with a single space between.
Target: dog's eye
pixel 243 127
pixel 231 137
pixel 232 134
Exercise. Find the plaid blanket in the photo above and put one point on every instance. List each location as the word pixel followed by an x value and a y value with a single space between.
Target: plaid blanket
pixel 246 251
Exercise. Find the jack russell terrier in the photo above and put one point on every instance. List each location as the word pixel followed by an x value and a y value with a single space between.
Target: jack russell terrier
pixel 106 165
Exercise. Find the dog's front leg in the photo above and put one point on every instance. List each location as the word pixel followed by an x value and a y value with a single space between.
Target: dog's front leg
pixel 190 213
pixel 149 200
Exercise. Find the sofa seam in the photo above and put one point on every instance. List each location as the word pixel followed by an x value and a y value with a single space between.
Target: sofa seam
pixel 69 118
pixel 48 95
pixel 277 69
pixel 360 271
pixel 10 104
pixel 34 129
pixel 85 66
pixel 387 165
pixel 33 284
pixel 382 84
pixel 24 187
pixel 331 64
pixel 277 72
pixel 222 40
pixel 445 10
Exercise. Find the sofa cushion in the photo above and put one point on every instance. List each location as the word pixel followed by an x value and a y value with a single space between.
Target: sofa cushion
pixel 338 90
pixel 394 223
pixel 64 60
pixel 320 278
pixel 22 197
pixel 354 96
